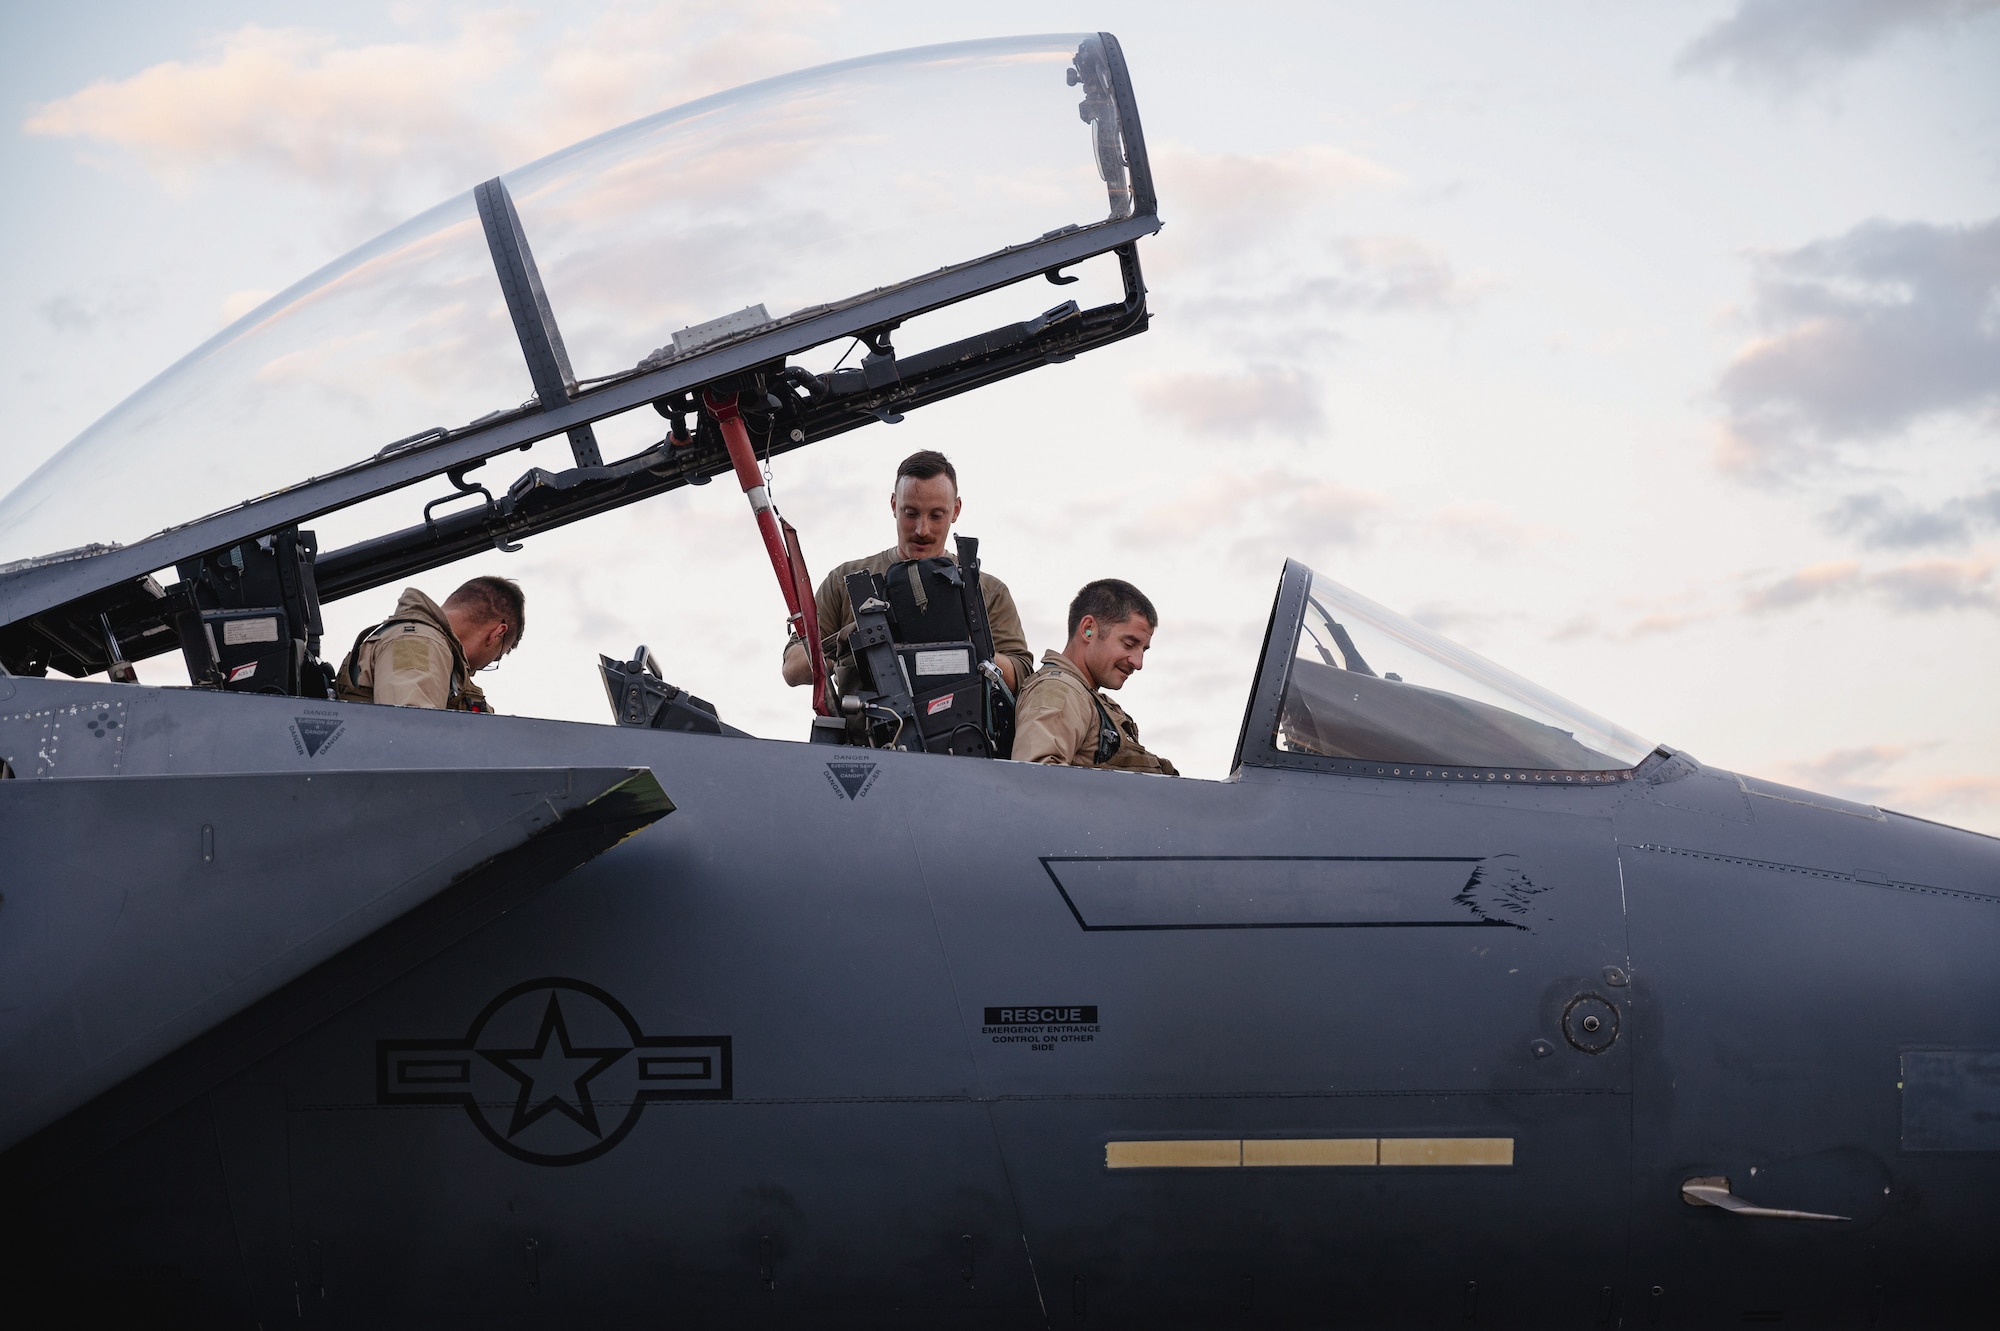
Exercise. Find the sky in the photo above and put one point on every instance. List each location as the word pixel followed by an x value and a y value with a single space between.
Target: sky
pixel 1651 351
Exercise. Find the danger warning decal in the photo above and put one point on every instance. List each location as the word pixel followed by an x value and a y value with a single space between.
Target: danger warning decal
pixel 939 704
pixel 314 735
pixel 850 780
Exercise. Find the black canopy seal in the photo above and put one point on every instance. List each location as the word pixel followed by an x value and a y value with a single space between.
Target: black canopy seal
pixel 78 612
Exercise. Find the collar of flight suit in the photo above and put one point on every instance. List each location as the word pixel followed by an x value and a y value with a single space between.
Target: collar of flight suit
pixel 1070 668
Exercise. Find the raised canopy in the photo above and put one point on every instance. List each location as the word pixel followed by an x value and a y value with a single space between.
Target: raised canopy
pixel 788 194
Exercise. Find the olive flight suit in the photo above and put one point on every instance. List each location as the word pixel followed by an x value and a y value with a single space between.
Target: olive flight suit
pixel 411 659
pixel 1060 719
pixel 836 617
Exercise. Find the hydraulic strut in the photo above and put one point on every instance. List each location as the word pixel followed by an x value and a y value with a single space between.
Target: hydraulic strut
pixel 781 542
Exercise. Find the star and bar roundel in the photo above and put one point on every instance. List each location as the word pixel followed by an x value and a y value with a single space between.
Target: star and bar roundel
pixel 553 1071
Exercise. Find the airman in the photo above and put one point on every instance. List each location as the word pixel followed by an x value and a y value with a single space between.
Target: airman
pixel 425 655
pixel 924 503
pixel 1062 716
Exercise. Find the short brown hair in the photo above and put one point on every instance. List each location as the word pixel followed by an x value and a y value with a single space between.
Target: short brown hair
pixel 924 464
pixel 1110 601
pixel 497 599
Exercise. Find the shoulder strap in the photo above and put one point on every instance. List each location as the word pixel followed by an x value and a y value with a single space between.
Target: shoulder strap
pixel 1108 738
pixel 975 597
pixel 352 668
pixel 354 652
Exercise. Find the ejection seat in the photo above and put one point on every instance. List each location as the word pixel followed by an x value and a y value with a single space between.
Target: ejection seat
pixel 922 676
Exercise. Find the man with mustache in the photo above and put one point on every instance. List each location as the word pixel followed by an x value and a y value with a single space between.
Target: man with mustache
pixel 1062 716
pixel 924 503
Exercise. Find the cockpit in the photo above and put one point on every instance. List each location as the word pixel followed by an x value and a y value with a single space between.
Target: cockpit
pixel 1346 685
pixel 680 300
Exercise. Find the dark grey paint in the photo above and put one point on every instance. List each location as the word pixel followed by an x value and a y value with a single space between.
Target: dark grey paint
pixel 1791 991
pixel 143 910
pixel 1770 958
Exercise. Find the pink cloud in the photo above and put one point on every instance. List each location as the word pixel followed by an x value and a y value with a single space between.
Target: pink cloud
pixel 488 95
pixel 1258 401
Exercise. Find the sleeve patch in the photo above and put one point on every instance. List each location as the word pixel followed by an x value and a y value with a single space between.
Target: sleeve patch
pixel 409 654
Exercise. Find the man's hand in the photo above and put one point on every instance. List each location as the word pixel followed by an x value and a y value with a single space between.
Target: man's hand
pixel 798 665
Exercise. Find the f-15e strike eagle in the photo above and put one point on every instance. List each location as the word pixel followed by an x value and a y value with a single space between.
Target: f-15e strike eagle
pixel 1453 1004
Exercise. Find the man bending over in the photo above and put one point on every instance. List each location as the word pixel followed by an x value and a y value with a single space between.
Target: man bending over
pixel 426 654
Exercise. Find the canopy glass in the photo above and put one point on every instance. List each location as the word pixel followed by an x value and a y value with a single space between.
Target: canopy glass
pixel 795 192
pixel 1367 684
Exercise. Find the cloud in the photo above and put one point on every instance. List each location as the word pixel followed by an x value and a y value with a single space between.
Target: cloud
pixel 1808 584
pixel 1915 588
pixel 1491 530
pixel 239 303
pixel 1577 627
pixel 77 312
pixel 1383 273
pixel 432 110
pixel 1867 774
pixel 1966 794
pixel 1277 401
pixel 1261 518
pixel 296 100
pixel 1845 766
pixel 1783 43
pixel 1886 520
pixel 1370 275
pixel 1868 333
pixel 1244 188
pixel 1227 209
pixel 1920 587
pixel 1665 621
pixel 1937 584
pixel 1649 624
pixel 1468 628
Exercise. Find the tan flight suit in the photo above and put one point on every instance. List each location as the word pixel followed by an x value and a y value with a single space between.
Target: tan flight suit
pixel 411 659
pixel 1060 719
pixel 836 616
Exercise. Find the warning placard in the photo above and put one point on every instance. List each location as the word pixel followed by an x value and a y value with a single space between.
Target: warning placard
pixel 1042 1027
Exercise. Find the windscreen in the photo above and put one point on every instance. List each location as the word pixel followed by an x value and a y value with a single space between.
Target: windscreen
pixel 795 192
pixel 1370 685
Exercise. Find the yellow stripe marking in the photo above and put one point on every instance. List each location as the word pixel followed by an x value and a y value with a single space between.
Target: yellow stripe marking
pixel 1308 1152
pixel 1173 1155
pixel 1447 1150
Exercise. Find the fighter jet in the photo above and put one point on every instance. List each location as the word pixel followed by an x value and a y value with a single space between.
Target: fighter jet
pixel 1453 1004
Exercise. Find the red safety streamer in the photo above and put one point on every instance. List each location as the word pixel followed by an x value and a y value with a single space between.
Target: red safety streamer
pixel 781 543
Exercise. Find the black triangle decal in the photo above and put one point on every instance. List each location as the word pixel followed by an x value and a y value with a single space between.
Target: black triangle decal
pixel 315 732
pixel 851 776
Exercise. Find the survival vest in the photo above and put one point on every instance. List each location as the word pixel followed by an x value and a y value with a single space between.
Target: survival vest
pixel 1112 751
pixel 465 696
